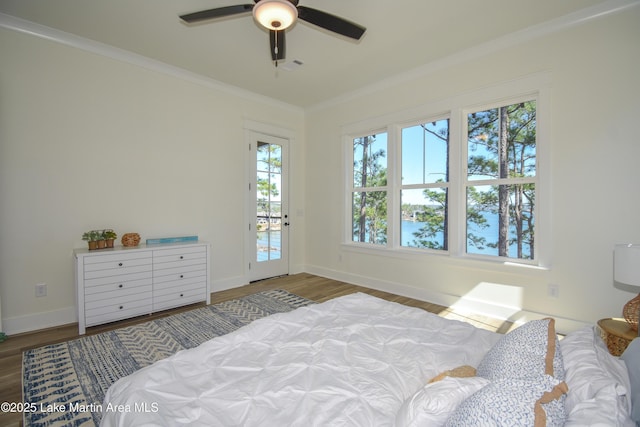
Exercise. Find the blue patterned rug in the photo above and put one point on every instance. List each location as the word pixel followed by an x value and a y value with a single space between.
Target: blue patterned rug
pixel 64 384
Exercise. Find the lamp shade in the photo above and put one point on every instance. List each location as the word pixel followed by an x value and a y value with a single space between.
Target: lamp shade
pixel 627 265
pixel 275 14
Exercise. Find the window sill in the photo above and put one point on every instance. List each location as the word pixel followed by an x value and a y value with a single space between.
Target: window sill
pixel 466 261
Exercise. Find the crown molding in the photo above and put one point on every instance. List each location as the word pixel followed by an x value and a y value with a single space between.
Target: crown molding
pixel 561 23
pixel 57 36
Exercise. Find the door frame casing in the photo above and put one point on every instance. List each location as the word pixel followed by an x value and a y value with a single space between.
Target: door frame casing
pixel 252 130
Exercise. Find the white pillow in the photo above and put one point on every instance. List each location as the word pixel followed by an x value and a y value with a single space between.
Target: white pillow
pixel 435 402
pixel 596 411
pixel 631 357
pixel 598 382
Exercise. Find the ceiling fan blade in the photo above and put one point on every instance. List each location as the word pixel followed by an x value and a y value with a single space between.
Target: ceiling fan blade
pixel 277 44
pixel 220 12
pixel 331 22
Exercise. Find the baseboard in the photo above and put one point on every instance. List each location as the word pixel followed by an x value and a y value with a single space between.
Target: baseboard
pixel 563 325
pixel 238 281
pixel 228 283
pixel 34 322
pixel 66 316
pixel 385 286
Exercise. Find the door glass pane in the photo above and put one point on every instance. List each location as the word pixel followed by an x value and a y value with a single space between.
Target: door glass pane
pixel 268 202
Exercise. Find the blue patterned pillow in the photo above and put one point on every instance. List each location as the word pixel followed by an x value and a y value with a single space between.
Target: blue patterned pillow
pixel 528 351
pixel 512 402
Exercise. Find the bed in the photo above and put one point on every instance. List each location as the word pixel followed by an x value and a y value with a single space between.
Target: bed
pixel 359 360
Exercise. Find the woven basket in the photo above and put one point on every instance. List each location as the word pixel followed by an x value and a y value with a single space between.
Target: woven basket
pixel 130 239
pixel 630 312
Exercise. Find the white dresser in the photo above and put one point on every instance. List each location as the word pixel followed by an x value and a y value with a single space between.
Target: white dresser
pixel 115 284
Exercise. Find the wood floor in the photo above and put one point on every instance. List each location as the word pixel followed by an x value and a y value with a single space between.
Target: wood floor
pixel 315 288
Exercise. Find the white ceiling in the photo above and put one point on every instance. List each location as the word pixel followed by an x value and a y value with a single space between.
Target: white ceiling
pixel 401 35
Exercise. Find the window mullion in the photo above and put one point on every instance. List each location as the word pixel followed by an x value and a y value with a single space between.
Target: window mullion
pixel 394 183
pixel 457 169
pixel 501 181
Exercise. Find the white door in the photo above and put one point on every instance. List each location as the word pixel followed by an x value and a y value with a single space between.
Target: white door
pixel 268 206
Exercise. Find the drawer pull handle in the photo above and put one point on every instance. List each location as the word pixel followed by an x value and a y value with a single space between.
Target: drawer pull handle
pixel 121 307
pixel 120 285
pixel 181 257
pixel 119 264
pixel 182 276
pixel 181 295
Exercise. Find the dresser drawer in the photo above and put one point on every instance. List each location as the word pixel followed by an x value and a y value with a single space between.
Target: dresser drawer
pixel 179 273
pixel 176 258
pixel 104 261
pixel 174 298
pixel 179 254
pixel 179 283
pixel 117 278
pixel 177 290
pixel 185 263
pixel 118 297
pixel 113 290
pixel 111 313
pixel 118 266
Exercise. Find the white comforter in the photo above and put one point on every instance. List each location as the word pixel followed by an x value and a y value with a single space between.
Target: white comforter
pixel 350 361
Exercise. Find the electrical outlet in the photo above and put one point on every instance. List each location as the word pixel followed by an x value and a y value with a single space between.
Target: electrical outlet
pixel 553 290
pixel 41 290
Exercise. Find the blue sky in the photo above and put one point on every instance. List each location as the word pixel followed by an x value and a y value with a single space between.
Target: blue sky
pixel 424 158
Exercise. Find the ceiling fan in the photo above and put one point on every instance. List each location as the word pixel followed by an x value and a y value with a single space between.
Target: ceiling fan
pixel 276 16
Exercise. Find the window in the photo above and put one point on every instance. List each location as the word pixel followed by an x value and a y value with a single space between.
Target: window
pixel 501 181
pixel 369 189
pixel 464 183
pixel 425 185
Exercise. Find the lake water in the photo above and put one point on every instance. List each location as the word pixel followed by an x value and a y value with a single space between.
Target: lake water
pixel 490 233
pixel 407 237
pixel 269 245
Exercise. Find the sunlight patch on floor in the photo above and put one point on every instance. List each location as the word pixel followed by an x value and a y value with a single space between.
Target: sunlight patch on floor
pixel 491 306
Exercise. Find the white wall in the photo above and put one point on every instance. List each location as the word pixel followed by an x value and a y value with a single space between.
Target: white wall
pixel 594 170
pixel 88 142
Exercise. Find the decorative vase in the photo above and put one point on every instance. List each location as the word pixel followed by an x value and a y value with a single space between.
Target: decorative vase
pixel 92 245
pixel 109 242
pixel 130 239
pixel 101 244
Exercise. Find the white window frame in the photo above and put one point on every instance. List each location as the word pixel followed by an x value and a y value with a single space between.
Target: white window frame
pixel 465 182
pixel 351 189
pixel 401 187
pixel 535 87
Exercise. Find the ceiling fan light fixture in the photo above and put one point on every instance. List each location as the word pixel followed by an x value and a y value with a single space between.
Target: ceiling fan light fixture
pixel 275 14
